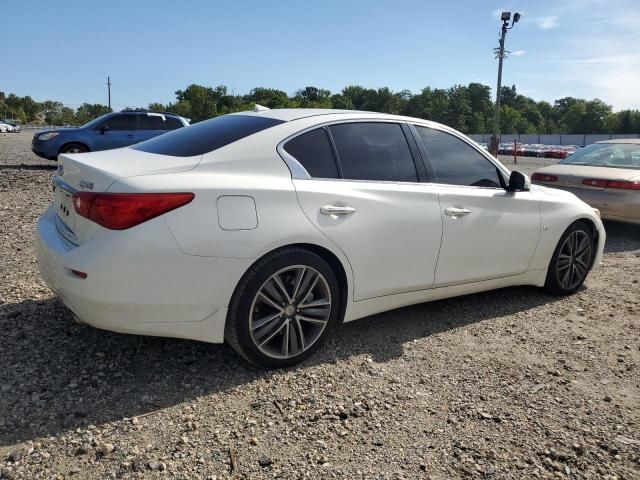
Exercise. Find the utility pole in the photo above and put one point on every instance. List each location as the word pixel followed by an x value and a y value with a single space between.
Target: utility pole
pixel 109 90
pixel 500 54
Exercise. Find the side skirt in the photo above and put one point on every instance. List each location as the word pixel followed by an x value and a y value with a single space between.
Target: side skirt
pixel 364 308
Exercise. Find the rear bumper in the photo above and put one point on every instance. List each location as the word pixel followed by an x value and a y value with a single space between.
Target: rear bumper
pixel 138 286
pixel 613 205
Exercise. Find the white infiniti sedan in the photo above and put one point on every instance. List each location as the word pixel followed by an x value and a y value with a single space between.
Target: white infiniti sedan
pixel 265 229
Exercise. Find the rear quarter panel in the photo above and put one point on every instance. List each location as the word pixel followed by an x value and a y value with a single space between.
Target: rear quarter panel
pixel 244 169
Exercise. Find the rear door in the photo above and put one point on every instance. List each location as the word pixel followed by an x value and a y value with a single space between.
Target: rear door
pixel 358 183
pixel 487 231
pixel 150 125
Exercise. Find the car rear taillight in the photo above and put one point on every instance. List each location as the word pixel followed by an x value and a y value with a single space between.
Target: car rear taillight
pixel 624 184
pixel 541 177
pixel 594 182
pixel 119 211
pixel 617 184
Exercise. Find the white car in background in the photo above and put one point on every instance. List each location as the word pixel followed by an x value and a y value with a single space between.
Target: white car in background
pixel 265 229
pixel 6 127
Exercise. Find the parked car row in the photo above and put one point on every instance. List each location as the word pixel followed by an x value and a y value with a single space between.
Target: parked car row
pixel 537 150
pixel 9 127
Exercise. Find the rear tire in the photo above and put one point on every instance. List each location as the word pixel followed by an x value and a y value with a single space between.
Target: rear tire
pixel 571 260
pixel 283 308
pixel 73 148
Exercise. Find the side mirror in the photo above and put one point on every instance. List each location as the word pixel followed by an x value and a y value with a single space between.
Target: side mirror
pixel 104 129
pixel 518 182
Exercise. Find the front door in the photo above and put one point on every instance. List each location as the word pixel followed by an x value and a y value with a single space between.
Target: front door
pixel 117 131
pixel 487 232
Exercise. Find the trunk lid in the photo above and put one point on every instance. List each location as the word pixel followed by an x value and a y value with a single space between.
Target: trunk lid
pixel 96 172
pixel 572 175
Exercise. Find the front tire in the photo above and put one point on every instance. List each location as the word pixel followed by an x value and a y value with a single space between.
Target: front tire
pixel 283 308
pixel 571 260
pixel 74 148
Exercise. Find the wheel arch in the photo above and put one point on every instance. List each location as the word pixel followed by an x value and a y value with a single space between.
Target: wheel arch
pixel 84 144
pixel 337 265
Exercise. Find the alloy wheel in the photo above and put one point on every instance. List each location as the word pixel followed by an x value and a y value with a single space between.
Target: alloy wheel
pixel 574 259
pixel 290 311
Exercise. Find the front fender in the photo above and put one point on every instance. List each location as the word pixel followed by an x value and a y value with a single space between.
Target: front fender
pixel 558 210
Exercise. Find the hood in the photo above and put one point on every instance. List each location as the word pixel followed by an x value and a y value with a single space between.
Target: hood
pixel 58 130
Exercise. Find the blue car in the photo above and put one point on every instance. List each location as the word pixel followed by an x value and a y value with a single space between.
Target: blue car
pixel 113 130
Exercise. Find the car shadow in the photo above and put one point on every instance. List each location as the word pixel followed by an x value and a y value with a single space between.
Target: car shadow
pixel 621 237
pixel 57 375
pixel 26 166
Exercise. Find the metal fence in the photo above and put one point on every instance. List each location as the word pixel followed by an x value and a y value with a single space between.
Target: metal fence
pixel 28 126
pixel 553 138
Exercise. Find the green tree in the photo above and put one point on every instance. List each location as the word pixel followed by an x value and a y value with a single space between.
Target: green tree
pixel 156 107
pixel 88 111
pixel 201 101
pixel 313 97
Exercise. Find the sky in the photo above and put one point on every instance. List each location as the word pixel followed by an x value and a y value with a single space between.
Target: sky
pixel 64 50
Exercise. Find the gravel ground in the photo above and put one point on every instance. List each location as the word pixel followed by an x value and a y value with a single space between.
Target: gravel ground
pixel 506 384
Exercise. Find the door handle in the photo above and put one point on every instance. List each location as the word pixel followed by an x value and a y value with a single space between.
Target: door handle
pixel 129 136
pixel 456 212
pixel 339 210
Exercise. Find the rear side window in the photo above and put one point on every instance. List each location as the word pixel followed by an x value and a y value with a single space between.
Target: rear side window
pixel 313 151
pixel 374 151
pixel 206 136
pixel 121 122
pixel 172 123
pixel 457 163
pixel 151 122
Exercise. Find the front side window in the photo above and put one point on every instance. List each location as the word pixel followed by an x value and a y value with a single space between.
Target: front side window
pixel 313 151
pixel 457 163
pixel 120 122
pixel 374 151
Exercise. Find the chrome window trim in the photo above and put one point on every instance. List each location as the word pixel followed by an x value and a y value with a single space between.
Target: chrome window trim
pixel 298 172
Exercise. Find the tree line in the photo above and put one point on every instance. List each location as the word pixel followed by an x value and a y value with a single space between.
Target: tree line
pixel 469 108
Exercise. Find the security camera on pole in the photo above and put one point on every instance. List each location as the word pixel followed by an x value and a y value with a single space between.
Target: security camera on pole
pixel 500 53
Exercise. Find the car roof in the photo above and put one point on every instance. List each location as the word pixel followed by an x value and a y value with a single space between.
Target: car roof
pixel 622 140
pixel 289 114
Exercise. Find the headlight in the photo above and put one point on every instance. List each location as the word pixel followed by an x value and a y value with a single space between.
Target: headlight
pixel 47 136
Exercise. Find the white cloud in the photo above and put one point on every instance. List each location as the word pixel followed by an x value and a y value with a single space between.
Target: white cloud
pixel 517 53
pixel 603 57
pixel 546 23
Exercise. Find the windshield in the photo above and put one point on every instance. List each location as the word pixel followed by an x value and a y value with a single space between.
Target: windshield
pixel 95 121
pixel 613 155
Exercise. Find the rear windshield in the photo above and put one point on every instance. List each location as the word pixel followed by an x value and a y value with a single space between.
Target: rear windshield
pixel 616 155
pixel 206 136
